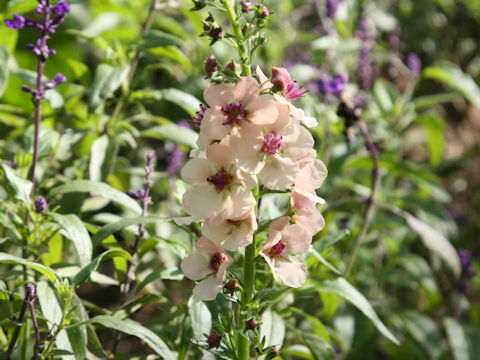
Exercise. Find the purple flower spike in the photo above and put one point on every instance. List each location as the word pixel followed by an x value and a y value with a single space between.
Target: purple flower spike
pixel 175 160
pixel 62 8
pixel 332 6
pixel 59 79
pixel 40 204
pixel 18 22
pixel 414 64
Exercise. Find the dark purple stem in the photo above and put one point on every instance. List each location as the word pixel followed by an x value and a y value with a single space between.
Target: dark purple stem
pixel 147 185
pixel 29 300
pixel 36 347
pixel 37 99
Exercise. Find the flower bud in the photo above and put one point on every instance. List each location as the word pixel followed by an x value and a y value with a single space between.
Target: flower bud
pixel 231 285
pixel 215 33
pixel 281 78
pixel 210 65
pixel 251 324
pixel 133 194
pixel 264 12
pixel 40 204
pixel 246 6
pixel 18 22
pixel 214 340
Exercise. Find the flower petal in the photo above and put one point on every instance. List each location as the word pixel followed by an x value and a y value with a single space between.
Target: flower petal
pixel 246 90
pixel 202 201
pixel 311 176
pixel 262 111
pixel 218 94
pixel 207 246
pixel 297 142
pixel 195 265
pixel 293 271
pixel 297 238
pixel 212 125
pixel 275 231
pixel 238 202
pixel 197 170
pixel 207 289
pixel 221 155
pixel 247 143
pixel 279 173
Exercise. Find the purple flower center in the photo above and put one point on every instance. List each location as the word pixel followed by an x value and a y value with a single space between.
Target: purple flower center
pixel 220 180
pixel 271 143
pixel 293 91
pixel 234 112
pixel 277 250
pixel 216 260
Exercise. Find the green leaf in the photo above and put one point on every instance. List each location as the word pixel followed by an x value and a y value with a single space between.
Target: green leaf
pixel 45 270
pixel 173 53
pixel 133 328
pixel 156 38
pixel 186 101
pixel 457 339
pixel 47 141
pixel 75 231
pixel 100 189
pixel 343 288
pixel 200 317
pixel 319 348
pixel 97 158
pixel 166 273
pixel 90 268
pixel 454 77
pixel 329 240
pixel 3 69
pixel 273 329
pixel 17 186
pixel 423 102
pixel 434 127
pixel 112 228
pixel 435 242
pixel 107 79
pixel 52 311
pixel 175 133
pixel 264 293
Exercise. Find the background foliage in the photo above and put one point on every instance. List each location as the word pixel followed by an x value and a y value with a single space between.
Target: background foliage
pixel 98 127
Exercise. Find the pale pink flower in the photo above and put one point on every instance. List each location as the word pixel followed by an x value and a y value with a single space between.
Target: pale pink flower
pixel 235 106
pixel 292 91
pixel 306 214
pixel 232 233
pixel 208 262
pixel 272 151
pixel 220 188
pixel 310 177
pixel 285 239
pixel 281 78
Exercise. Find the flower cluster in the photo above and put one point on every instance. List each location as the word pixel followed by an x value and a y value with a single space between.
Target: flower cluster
pixel 251 136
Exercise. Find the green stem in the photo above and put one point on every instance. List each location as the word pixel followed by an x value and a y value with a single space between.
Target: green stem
pixel 248 290
pixel 242 49
pixel 60 327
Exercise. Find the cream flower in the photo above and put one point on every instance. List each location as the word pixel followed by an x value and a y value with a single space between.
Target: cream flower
pixel 208 262
pixel 234 106
pixel 306 214
pixel 285 239
pixel 295 112
pixel 220 188
pixel 233 233
pixel 311 176
pixel 272 150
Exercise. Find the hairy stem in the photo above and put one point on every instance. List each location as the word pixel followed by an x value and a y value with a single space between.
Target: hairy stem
pixel 242 49
pixel 367 217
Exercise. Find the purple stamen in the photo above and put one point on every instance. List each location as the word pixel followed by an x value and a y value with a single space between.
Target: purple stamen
pixel 271 143
pixel 234 112
pixel 277 250
pixel 216 260
pixel 220 180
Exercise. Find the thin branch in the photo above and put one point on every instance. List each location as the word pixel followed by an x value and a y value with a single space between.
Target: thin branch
pixel 367 217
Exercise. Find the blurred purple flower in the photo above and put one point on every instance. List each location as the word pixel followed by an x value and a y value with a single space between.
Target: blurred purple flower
pixel 367 70
pixel 133 194
pixel 175 159
pixel 57 80
pixel 62 8
pixel 40 204
pixel 466 261
pixel 414 64
pixel 332 6
pixel 18 22
pixel 329 85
